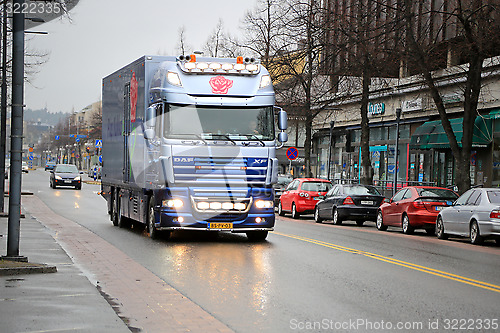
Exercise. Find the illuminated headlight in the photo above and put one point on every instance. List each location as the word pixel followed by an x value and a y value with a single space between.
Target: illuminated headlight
pixel 202 66
pixel 239 67
pixel 203 205
pixel 265 81
pixel 215 205
pixel 173 78
pixel 77 178
pixel 190 65
pixel 215 66
pixel 227 67
pixel 240 206
pixel 58 178
pixel 172 203
pixel 252 67
pixel 264 204
pixel 227 205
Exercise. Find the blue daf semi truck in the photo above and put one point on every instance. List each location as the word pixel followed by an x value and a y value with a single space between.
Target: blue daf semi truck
pixel 190 143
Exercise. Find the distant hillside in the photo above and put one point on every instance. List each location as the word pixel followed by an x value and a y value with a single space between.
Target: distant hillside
pixel 43 116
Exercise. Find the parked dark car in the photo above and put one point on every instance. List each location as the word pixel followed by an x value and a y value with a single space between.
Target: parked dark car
pixel 66 175
pixel 415 207
pixel 476 214
pixel 50 165
pixel 349 202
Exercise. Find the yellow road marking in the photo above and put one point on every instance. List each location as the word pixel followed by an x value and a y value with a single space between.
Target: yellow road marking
pixel 428 270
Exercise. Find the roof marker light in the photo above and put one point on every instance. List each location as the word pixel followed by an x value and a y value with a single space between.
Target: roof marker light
pixel 239 67
pixel 239 60
pixel 227 66
pixel 189 65
pixel 215 66
pixel 252 67
pixel 192 58
pixel 202 66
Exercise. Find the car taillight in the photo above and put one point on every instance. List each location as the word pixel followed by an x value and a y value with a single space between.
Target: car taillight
pixel 495 214
pixel 348 201
pixel 418 205
pixel 303 194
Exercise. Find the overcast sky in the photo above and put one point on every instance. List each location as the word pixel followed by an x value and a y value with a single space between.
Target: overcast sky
pixel 106 35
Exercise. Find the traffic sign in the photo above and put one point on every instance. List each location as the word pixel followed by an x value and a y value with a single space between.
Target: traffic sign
pixel 77 140
pixel 292 153
pixel 100 159
pixel 57 137
pixel 30 149
pixel 98 143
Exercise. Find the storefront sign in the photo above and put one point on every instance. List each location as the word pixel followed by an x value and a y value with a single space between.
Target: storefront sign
pixel 452 98
pixel 376 109
pixel 411 105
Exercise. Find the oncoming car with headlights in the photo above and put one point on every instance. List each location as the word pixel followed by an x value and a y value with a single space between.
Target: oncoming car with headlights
pixel 66 175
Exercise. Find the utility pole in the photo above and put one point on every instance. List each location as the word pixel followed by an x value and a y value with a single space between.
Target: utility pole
pixel 16 150
pixel 3 108
pixel 398 118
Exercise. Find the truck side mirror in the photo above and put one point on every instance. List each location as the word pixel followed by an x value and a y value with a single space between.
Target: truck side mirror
pixel 282 120
pixel 151 117
pixel 283 137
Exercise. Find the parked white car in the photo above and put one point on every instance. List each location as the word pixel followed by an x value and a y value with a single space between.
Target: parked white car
pixel 475 214
pixel 25 167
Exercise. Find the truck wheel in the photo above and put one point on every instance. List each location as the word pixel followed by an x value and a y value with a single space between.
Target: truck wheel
pixel 123 222
pixel 152 231
pixel 257 236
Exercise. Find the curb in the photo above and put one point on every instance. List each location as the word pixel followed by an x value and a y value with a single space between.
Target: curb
pixel 28 269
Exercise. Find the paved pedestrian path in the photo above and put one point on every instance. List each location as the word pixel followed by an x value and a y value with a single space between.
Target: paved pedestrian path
pixel 143 301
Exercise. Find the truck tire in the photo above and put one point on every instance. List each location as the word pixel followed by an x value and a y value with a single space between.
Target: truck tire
pixel 114 213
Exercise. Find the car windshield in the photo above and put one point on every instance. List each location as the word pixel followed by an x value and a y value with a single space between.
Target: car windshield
pixel 218 123
pixel 437 193
pixel 494 196
pixel 66 168
pixel 361 190
pixel 316 186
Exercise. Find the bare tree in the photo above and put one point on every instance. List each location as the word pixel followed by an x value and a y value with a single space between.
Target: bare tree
pixel 215 43
pixel 182 46
pixel 469 29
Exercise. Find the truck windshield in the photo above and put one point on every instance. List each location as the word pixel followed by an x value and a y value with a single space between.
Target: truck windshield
pixel 207 122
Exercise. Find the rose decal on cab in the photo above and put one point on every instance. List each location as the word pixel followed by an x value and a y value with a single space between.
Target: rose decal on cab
pixel 220 85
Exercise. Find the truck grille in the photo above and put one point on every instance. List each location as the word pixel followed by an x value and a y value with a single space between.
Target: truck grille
pixel 218 170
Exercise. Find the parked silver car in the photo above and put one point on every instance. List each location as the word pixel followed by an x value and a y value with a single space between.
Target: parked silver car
pixel 475 214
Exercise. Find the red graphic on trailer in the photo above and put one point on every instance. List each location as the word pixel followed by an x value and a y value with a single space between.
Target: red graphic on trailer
pixel 133 97
pixel 220 85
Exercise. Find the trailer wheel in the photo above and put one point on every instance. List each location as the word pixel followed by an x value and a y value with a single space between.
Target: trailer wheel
pixel 116 207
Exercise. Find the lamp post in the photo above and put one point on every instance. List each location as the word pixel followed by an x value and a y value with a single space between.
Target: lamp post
pixel 398 118
pixel 332 124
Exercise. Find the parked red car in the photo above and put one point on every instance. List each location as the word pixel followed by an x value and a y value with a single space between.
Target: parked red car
pixel 414 207
pixel 301 196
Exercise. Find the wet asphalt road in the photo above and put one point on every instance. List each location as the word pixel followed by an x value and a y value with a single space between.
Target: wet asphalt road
pixel 307 276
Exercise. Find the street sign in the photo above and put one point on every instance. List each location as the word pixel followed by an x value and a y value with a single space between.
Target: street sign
pixel 77 140
pixel 57 137
pixel 98 143
pixel 30 149
pixel 100 159
pixel 292 153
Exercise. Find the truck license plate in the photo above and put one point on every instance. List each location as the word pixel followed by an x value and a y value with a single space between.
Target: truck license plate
pixel 220 225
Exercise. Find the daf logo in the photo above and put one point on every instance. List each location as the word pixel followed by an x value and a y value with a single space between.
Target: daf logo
pixel 183 159
pixel 260 161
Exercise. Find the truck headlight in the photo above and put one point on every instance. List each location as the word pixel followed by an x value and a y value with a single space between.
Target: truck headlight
pixel 174 79
pixel 264 204
pixel 265 81
pixel 173 203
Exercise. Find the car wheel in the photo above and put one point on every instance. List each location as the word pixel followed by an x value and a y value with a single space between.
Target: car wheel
pixel 360 223
pixel 295 214
pixel 257 236
pixel 335 217
pixel 54 185
pixel 280 210
pixel 475 235
pixel 405 225
pixel 317 219
pixel 440 229
pixel 380 222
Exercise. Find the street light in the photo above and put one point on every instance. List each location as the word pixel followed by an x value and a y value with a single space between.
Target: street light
pixel 398 118
pixel 332 124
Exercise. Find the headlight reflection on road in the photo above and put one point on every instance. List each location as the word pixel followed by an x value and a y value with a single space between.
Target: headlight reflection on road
pixel 76 205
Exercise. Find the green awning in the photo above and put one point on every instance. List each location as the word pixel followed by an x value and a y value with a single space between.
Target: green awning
pixel 431 134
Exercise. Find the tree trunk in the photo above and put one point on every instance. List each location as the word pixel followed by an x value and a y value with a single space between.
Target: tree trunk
pixel 366 165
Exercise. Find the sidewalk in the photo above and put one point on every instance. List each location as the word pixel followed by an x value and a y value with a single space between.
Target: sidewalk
pixel 89 272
